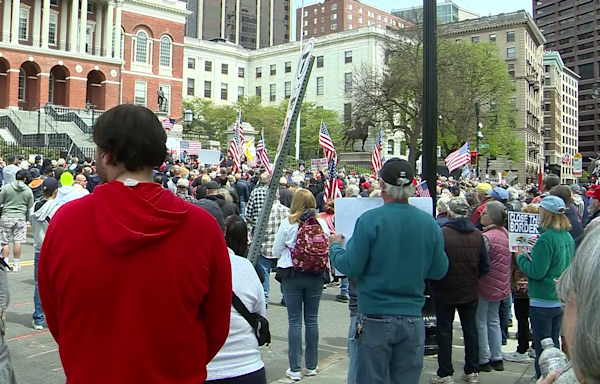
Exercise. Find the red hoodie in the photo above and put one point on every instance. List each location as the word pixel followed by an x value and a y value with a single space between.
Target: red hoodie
pixel 127 299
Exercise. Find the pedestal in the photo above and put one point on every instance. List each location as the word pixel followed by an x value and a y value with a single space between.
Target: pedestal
pixel 249 133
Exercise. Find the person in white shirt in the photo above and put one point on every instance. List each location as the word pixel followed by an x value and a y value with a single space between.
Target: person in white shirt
pixel 239 361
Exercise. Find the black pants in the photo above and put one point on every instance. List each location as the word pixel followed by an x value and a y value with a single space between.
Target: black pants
pixel 522 315
pixel 258 377
pixel 443 336
pixel 504 314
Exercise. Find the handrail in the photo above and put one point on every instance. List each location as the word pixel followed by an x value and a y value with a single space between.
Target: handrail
pixel 14 114
pixel 53 124
pixel 69 116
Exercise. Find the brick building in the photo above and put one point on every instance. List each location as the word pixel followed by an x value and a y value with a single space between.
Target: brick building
pixel 62 52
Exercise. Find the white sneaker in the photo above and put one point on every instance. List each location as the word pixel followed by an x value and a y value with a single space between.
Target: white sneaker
pixel 531 352
pixel 441 380
pixel 295 376
pixel 517 357
pixel 37 327
pixel 16 268
pixel 312 372
pixel 472 378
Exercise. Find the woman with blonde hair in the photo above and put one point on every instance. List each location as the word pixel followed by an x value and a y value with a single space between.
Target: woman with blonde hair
pixel 302 290
pixel 549 258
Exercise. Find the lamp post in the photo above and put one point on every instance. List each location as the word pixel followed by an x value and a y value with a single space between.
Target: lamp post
pixel 188 117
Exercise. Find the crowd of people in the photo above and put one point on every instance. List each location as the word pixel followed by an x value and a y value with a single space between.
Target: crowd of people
pixel 133 201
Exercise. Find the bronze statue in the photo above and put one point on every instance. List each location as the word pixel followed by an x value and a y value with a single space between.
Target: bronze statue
pixel 359 131
pixel 162 100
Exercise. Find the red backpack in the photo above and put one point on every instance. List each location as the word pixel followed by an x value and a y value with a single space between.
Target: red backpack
pixel 311 253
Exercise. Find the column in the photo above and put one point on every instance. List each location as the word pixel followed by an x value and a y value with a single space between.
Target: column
pixel 238 21
pixel 200 16
pixel 64 11
pixel 73 25
pixel 223 18
pixel 83 27
pixel 6 21
pixel 258 6
pixel 14 34
pixel 99 29
pixel 108 29
pixel 118 30
pixel 272 24
pixel 45 23
pixel 37 19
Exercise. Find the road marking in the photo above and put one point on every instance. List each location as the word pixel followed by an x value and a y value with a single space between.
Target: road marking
pixel 28 336
pixel 26 263
pixel 21 304
pixel 42 353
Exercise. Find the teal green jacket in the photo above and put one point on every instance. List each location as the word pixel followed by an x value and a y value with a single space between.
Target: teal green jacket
pixel 393 250
pixel 550 256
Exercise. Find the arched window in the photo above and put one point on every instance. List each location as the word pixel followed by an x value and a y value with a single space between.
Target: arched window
pixel 141 47
pixel 165 51
pixel 22 84
pixel 391 146
pixel 122 41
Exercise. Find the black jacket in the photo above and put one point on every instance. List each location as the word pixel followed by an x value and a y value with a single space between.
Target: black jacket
pixel 576 226
pixel 285 196
pixel 228 209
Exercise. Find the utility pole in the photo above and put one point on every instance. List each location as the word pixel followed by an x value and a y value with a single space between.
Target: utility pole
pixel 430 96
pixel 300 113
pixel 477 158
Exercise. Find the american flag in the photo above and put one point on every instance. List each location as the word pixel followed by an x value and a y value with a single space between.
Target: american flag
pixel 423 190
pixel 261 152
pixel 236 147
pixel 459 158
pixel 376 159
pixel 192 147
pixel 466 172
pixel 327 144
pixel 332 190
pixel 168 123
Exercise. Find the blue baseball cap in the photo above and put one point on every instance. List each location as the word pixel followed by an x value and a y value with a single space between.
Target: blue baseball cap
pixel 499 194
pixel 554 204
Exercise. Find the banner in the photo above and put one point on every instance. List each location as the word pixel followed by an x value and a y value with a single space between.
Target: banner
pixel 315 164
pixel 577 165
pixel 521 227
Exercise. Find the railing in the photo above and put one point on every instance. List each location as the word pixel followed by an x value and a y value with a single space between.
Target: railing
pixel 69 116
pixel 51 124
pixel 14 116
pixel 6 122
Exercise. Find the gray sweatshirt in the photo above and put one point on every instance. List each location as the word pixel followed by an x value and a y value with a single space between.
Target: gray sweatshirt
pixel 17 199
pixel 40 216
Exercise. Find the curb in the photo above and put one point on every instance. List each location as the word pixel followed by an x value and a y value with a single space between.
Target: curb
pixel 323 365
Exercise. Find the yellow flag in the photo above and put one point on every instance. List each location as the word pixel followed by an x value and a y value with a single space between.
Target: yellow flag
pixel 247 150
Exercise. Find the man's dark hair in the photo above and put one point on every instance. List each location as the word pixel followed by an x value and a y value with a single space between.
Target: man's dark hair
pixel 236 235
pixel 131 135
pixel 47 170
pixel 12 159
pixel 158 178
pixel 551 181
pixel 563 192
pixel 21 175
pixel 222 180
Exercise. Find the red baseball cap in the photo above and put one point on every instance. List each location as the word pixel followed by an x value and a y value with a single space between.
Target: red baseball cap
pixel 594 192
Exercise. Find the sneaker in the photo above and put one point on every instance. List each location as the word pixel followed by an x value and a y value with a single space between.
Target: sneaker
pixel 294 376
pixel 497 365
pixel 441 380
pixel 517 357
pixel 36 326
pixel 472 378
pixel 342 298
pixel 312 372
pixel 485 367
pixel 16 268
pixel 531 352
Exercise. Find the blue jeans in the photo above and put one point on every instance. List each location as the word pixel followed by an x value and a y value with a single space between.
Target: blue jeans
pixel 263 267
pixel 303 294
pixel 390 349
pixel 38 315
pixel 505 316
pixel 545 322
pixel 243 209
pixel 345 287
pixel 352 349
pixel 488 330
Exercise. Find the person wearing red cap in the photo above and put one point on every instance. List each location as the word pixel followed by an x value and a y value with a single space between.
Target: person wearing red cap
pixel 593 209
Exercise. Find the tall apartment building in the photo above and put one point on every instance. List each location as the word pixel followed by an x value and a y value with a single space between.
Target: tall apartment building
pixel 570 28
pixel 253 24
pixel 560 116
pixel 332 16
pixel 520 43
pixel 447 12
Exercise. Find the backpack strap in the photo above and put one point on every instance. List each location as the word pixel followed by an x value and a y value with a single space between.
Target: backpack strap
pixel 241 308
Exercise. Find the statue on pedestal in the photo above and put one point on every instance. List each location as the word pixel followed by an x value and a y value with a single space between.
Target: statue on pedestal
pixel 162 101
pixel 359 131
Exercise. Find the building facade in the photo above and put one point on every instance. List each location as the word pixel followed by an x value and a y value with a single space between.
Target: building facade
pixel 250 23
pixel 447 12
pixel 521 44
pixel 570 28
pixel 333 16
pixel 64 53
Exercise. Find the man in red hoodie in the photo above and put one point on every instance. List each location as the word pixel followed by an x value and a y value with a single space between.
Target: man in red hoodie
pixel 131 302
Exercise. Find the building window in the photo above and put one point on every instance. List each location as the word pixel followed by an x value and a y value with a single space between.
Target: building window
pixel 140 93
pixel 191 63
pixel 371 13
pixel 191 87
pixel 510 36
pixel 208 66
pixel 333 7
pixel 258 72
pixel 334 16
pixel 167 92
pixel 240 93
pixel 320 86
pixel 316 11
pixel 225 69
pixel 23 23
pixel 349 16
pixel 51 88
pixel 223 91
pixel 273 69
pixel 288 89
pixel 390 147
pixel 348 57
pixel 475 39
pixel 511 53
pixel 348 113
pixel 258 91
pixel 350 7
pixel 22 84
pixel 272 92
pixel 165 52
pixel 348 82
pixel 288 66
pixel 322 28
pixel 349 26
pixel 333 27
pixel 360 20
pixel 315 20
pixel 241 72
pixel 511 70
pixel 141 47
pixel 315 30
pixel 52 30
pixel 320 61
pixel 360 10
pixel 208 89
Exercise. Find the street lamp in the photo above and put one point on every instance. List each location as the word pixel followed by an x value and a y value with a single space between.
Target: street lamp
pixel 188 117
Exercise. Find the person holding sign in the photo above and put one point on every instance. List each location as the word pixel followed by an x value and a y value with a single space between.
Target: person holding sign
pixel 549 258
pixel 393 250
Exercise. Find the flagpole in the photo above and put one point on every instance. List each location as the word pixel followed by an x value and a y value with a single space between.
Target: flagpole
pixel 299 112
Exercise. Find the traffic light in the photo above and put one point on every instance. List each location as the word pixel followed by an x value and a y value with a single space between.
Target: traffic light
pixel 474 158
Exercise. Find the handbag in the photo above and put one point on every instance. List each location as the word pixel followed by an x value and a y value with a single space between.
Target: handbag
pixel 259 324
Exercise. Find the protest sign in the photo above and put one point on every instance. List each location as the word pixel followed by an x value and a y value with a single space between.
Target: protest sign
pixel 522 227
pixel 315 164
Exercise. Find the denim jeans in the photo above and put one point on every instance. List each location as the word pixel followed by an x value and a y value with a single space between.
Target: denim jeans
pixel 352 348
pixel 243 209
pixel 38 314
pixel 302 295
pixel 488 330
pixel 545 322
pixel 390 349
pixel 505 315
pixel 443 337
pixel 263 267
pixel 344 287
